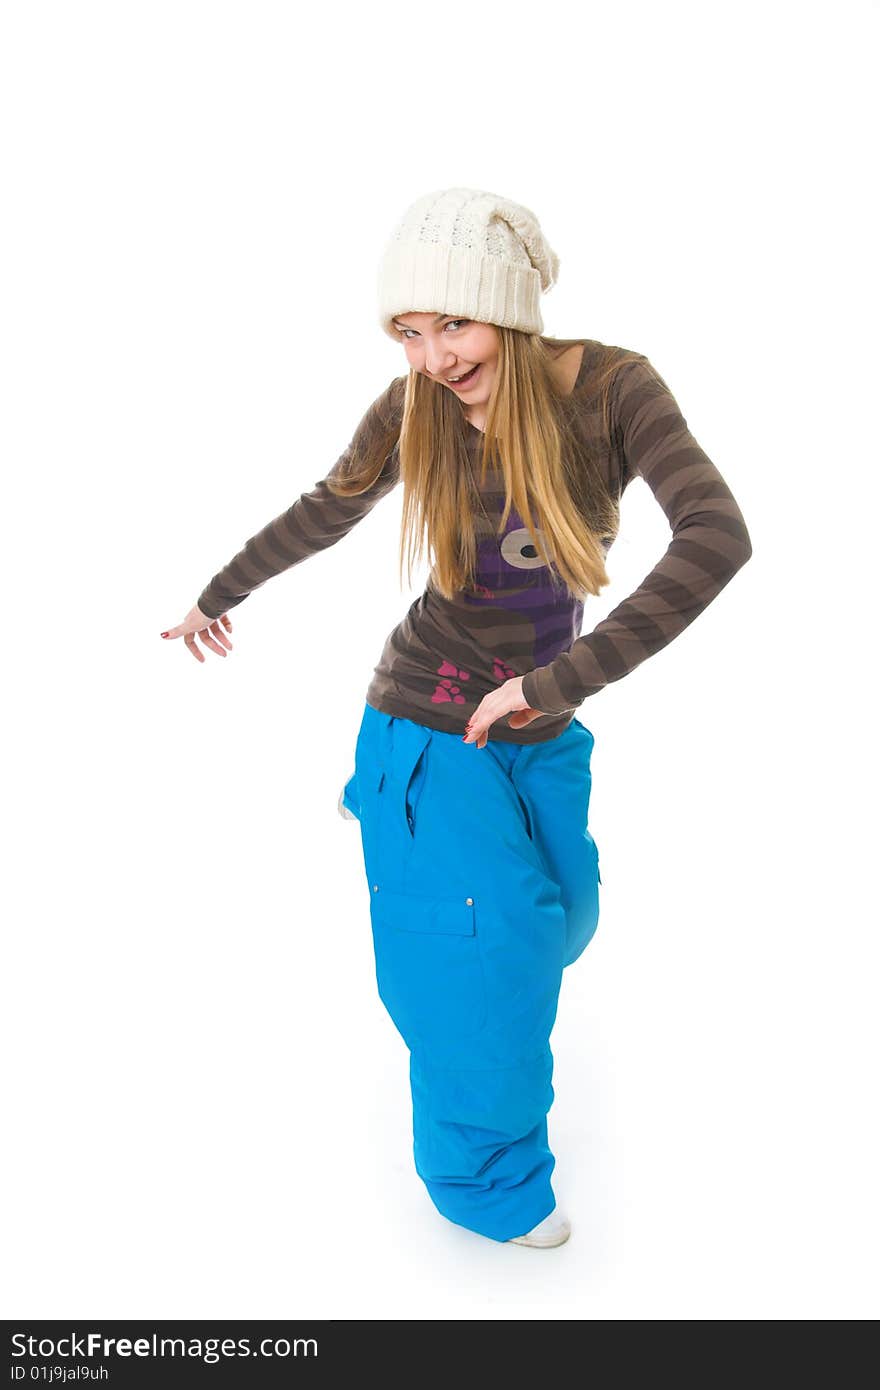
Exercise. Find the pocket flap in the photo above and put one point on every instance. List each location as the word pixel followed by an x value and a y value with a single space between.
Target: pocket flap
pixel 439 915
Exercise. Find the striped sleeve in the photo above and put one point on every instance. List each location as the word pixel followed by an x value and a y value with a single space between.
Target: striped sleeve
pixel 316 520
pixel 709 544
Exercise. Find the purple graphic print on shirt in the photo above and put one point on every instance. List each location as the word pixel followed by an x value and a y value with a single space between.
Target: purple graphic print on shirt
pixel 511 575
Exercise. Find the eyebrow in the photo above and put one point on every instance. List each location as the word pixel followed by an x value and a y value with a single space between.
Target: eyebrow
pixel 397 323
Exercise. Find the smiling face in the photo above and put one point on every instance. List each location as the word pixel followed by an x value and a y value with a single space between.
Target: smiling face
pixel 441 346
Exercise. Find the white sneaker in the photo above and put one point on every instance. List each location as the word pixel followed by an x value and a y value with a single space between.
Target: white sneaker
pixel 553 1230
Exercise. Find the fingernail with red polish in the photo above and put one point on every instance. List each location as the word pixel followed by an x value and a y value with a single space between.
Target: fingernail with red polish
pixel 163 634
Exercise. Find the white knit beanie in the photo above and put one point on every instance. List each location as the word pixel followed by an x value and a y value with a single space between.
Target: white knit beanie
pixel 468 252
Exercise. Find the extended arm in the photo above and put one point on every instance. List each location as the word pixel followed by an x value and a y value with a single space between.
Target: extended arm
pixel 316 520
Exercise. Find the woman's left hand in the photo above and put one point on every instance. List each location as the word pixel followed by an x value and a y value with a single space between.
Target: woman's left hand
pixel 506 699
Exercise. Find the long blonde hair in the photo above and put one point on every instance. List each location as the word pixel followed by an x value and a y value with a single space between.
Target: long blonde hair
pixel 530 436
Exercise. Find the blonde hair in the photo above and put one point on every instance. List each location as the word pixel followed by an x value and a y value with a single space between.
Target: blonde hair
pixel 530 437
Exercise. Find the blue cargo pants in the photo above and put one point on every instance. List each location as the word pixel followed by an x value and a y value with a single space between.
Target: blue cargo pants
pixel 484 884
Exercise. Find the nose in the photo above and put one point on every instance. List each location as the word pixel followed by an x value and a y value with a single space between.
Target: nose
pixel 437 363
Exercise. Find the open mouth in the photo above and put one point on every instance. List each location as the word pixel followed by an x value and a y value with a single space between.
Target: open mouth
pixel 466 379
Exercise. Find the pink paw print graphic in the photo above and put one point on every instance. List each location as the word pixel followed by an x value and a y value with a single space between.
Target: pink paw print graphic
pixel 501 671
pixel 447 691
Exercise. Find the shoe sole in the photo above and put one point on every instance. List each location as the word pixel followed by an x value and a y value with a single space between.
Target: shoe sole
pixel 541 1242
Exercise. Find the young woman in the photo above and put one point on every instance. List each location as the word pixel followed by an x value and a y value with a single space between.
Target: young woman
pixel 472 774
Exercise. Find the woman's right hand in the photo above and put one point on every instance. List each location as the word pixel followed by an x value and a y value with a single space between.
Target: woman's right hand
pixel 196 623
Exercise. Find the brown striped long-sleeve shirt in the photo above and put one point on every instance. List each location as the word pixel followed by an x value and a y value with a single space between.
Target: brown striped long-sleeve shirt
pixel 444 656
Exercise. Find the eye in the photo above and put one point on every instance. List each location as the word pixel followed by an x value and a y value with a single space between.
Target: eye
pixel 404 331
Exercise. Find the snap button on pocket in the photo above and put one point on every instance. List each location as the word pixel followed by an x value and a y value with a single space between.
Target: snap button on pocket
pixel 415 912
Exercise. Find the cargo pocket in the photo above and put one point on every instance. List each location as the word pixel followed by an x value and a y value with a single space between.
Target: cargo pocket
pixel 582 914
pixel 428 967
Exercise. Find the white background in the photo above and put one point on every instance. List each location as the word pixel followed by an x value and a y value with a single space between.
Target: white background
pixel 208 1107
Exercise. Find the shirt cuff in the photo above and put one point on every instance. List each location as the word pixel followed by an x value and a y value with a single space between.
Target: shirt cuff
pixel 541 692
pixel 214 607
